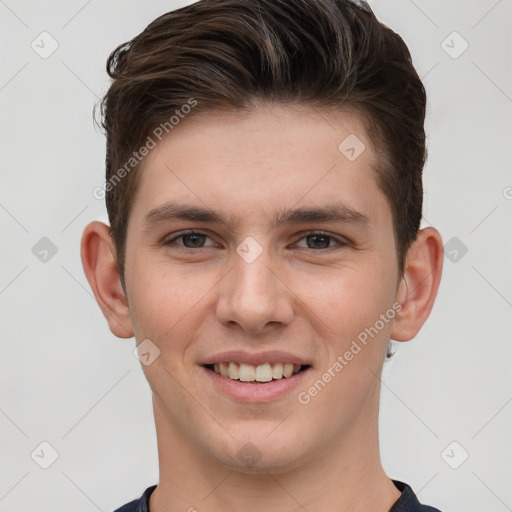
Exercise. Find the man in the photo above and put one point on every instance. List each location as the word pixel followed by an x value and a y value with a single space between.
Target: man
pixel 264 192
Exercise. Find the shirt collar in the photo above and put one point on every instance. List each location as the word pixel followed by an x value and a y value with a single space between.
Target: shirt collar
pixel 405 503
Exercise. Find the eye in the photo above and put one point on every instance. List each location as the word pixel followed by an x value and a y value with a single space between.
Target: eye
pixel 191 240
pixel 196 240
pixel 319 241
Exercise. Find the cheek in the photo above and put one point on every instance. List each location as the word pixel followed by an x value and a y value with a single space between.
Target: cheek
pixel 164 300
pixel 349 301
pixel 354 339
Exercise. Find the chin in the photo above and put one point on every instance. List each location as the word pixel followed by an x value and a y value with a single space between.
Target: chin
pixel 263 454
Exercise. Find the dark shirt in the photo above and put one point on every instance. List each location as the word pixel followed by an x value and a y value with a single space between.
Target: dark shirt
pixel 406 503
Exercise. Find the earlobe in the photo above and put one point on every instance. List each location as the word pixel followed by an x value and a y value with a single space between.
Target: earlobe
pixel 419 284
pixel 98 260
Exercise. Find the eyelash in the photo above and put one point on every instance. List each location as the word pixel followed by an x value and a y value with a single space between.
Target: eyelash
pixel 338 241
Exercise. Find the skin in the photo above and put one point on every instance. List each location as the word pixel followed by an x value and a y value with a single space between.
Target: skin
pixel 313 302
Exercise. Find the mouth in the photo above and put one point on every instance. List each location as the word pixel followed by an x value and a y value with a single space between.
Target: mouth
pixel 263 377
pixel 256 374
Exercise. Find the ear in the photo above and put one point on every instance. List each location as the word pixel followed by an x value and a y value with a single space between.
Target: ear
pixel 419 284
pixel 98 260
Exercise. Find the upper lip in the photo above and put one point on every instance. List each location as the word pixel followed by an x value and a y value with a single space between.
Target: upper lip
pixel 255 359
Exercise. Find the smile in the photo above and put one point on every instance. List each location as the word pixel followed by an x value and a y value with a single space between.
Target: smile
pixel 261 373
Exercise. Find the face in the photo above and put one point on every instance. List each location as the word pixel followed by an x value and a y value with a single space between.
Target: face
pixel 256 246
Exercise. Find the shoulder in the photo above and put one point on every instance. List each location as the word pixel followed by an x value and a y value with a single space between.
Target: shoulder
pixel 408 502
pixel 140 504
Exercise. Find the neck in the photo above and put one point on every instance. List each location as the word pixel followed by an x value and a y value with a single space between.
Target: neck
pixel 347 478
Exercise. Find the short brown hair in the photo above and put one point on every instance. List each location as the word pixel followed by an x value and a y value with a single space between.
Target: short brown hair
pixel 229 54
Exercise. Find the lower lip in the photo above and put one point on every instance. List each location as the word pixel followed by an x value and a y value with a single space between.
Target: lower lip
pixel 254 393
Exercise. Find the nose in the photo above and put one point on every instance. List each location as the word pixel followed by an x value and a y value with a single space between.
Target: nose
pixel 254 296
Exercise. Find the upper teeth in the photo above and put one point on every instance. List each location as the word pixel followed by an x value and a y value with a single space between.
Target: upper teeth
pixel 262 373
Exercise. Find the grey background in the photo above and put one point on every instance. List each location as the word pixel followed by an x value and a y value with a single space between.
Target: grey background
pixel 65 379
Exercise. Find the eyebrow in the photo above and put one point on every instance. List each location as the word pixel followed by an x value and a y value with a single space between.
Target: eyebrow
pixel 327 213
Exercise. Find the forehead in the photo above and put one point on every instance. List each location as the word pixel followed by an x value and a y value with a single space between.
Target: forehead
pixel 265 160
